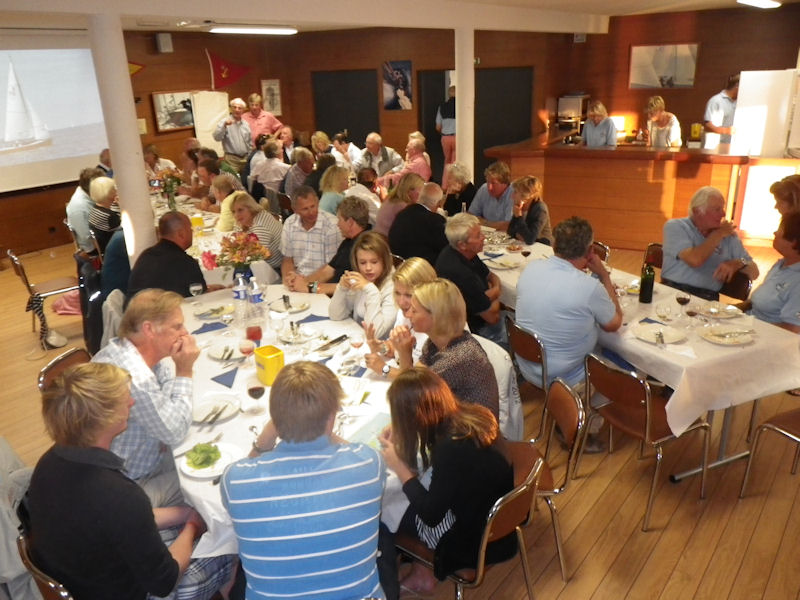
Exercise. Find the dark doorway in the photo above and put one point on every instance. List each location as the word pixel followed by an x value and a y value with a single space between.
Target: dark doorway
pixel 432 92
pixel 346 100
pixel 502 110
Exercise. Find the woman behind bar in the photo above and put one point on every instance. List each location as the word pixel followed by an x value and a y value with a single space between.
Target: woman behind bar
pixel 663 128
pixel 599 130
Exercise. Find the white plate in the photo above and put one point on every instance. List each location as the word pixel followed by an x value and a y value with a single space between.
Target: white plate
pixel 726 335
pixel 279 307
pixel 304 334
pixel 229 453
pixel 211 400
pixel 213 313
pixel 648 332
pixel 503 263
pixel 715 310
pixel 217 351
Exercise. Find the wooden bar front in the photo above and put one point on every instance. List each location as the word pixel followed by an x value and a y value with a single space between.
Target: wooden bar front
pixel 627 193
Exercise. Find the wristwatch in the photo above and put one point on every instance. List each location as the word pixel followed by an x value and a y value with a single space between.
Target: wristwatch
pixel 385 370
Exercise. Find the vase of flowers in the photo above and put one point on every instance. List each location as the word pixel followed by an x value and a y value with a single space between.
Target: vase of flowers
pixel 171 179
pixel 237 251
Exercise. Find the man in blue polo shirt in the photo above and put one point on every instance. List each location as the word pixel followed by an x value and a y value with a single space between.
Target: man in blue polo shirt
pixel 493 202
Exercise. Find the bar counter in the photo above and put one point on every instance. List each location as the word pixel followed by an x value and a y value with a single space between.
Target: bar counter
pixel 627 193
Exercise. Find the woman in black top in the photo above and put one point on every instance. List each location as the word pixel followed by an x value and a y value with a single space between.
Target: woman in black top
pixel 468 473
pixel 460 190
pixel 530 220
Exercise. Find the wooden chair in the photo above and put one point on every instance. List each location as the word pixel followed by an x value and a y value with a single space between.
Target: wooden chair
pixel 566 409
pixel 49 587
pixel 509 515
pixel 635 412
pixel 96 244
pixel 45 289
pixel 786 424
pixel 602 250
pixel 49 372
pixel 285 204
pixel 654 254
pixel 738 287
pixel 527 345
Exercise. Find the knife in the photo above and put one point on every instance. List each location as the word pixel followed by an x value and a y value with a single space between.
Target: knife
pixel 216 416
pixel 209 414
pixel 286 302
pixel 332 343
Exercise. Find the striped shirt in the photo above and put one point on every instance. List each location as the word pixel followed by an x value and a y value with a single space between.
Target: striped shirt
pixel 162 409
pixel 312 248
pixel 306 518
pixel 268 230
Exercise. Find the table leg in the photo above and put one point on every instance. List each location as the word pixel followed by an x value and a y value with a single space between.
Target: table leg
pixel 722 457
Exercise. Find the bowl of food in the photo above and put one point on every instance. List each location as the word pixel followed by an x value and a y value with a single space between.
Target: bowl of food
pixel 514 247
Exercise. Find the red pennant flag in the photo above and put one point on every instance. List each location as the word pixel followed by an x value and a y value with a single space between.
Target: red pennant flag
pixel 223 72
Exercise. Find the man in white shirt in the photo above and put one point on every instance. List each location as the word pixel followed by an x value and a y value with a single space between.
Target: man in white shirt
pixel 381 158
pixel 718 120
pixel 344 151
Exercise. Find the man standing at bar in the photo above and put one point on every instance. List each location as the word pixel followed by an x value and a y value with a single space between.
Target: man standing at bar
pixel 234 133
pixel 718 120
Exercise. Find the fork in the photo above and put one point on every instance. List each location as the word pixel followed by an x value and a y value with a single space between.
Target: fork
pixel 214 440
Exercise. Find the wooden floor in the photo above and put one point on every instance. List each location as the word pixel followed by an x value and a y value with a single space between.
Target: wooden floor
pixel 720 547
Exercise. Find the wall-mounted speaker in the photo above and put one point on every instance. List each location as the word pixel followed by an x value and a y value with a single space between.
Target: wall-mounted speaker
pixel 164 42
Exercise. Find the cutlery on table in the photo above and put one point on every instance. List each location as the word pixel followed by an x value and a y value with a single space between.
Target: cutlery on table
pixel 216 416
pixel 214 440
pixel 209 414
pixel 730 334
pixel 332 343
pixel 660 338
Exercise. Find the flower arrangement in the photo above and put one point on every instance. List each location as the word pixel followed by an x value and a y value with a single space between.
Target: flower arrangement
pixel 238 250
pixel 171 179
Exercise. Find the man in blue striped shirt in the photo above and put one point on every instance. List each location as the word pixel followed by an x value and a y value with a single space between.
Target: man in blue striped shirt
pixel 306 511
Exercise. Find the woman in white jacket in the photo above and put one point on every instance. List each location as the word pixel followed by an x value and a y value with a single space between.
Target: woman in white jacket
pixel 366 292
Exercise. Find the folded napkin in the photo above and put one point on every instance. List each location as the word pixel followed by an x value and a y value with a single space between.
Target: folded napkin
pixel 226 378
pixel 209 327
pixel 493 254
pixel 649 320
pixel 360 372
pixel 312 319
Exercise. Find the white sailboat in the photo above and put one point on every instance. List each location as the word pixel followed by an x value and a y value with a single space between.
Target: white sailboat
pixel 23 127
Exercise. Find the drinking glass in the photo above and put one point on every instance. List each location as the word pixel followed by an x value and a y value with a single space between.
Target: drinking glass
pixel 663 312
pixel 246 347
pixel 277 321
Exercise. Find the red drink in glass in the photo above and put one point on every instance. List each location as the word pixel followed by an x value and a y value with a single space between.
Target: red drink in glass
pixel 254 333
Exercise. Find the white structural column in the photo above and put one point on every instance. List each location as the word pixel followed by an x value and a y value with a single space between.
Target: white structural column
pixel 116 97
pixel 465 96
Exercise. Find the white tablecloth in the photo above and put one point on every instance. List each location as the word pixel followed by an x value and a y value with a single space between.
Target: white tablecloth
pixel 365 420
pixel 509 276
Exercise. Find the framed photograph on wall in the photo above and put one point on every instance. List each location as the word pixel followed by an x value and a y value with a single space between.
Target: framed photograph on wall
pixel 173 111
pixel 397 85
pixel 271 94
pixel 670 66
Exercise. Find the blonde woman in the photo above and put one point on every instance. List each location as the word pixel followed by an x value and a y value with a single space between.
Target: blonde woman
pixel 599 131
pixel 251 217
pixel 320 143
pixel 411 273
pixel 404 193
pixel 663 128
pixel 530 219
pixel 365 293
pixel 334 182
pixel 224 191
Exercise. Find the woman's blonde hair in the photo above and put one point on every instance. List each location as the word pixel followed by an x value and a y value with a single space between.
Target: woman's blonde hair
pixel 654 104
pixel 246 200
pixel 407 182
pixel 443 300
pixel 786 190
pixel 413 272
pixel 528 186
pixel 320 138
pixel 222 184
pixel 372 241
pixel 425 412
pixel 597 108
pixel 101 189
pixel 332 177
pixel 83 402
pixel 458 172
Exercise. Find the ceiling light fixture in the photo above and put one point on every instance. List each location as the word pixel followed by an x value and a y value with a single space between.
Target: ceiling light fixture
pixel 760 3
pixel 253 30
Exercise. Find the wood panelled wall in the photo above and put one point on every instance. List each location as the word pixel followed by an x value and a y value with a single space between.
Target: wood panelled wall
pixel 729 41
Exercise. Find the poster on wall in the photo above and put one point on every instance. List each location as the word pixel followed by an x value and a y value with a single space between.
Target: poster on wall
pixel 173 110
pixel 669 66
pixel 271 95
pixel 397 85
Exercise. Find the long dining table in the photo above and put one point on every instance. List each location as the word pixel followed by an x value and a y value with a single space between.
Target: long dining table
pixel 364 412
pixel 706 372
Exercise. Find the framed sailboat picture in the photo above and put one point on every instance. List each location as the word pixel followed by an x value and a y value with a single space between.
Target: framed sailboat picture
pixel 173 111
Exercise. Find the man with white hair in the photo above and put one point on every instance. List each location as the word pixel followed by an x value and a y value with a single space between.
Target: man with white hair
pixel 702 251
pixel 418 230
pixel 234 133
pixel 381 158
pixel 415 163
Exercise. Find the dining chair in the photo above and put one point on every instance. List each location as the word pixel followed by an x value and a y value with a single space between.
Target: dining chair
pixel 397 260
pixel 91 297
pixel 510 417
pixel 285 204
pixel 510 514
pixel 602 250
pixel 96 244
pixel 738 287
pixel 786 424
pixel 49 587
pixel 50 372
pixel 527 345
pixel 37 292
pixel 72 234
pixel 654 254
pixel 634 411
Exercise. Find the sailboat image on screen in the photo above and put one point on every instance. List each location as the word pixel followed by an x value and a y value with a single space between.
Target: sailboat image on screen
pixel 24 128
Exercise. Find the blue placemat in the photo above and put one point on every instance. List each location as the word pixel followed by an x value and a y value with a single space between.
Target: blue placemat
pixel 493 254
pixel 360 372
pixel 312 319
pixel 649 320
pixel 209 327
pixel 226 378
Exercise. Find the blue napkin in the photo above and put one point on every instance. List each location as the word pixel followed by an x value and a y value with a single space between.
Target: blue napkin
pixel 493 254
pixel 649 320
pixel 312 319
pixel 209 327
pixel 322 361
pixel 360 372
pixel 226 378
